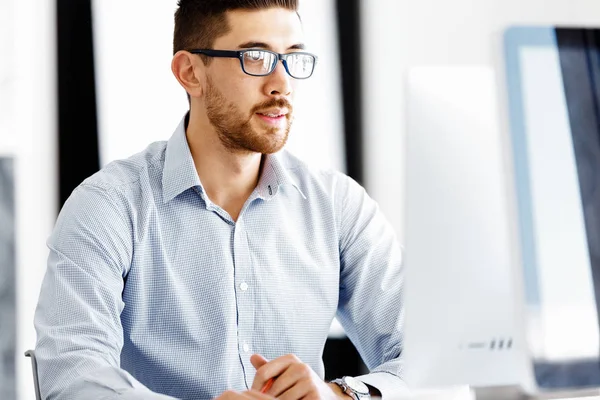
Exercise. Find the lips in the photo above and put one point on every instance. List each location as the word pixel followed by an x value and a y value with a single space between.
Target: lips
pixel 274 118
pixel 274 112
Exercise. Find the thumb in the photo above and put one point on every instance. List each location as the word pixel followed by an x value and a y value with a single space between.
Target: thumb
pixel 258 361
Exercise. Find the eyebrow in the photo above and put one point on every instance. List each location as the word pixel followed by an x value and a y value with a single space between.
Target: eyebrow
pixel 262 45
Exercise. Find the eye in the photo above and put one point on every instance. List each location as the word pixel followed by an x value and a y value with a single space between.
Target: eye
pixel 255 55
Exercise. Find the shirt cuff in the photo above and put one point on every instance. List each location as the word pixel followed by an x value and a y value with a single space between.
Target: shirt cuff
pixel 388 384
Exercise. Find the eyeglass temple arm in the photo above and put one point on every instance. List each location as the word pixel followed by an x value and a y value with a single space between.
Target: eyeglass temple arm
pixel 217 53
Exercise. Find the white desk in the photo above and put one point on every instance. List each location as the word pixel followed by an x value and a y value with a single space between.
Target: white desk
pixel 504 393
pixel 514 393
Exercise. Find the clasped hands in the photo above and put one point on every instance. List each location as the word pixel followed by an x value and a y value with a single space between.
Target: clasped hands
pixel 293 380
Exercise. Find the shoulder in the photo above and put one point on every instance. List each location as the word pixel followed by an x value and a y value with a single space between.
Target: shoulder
pixel 121 174
pixel 115 190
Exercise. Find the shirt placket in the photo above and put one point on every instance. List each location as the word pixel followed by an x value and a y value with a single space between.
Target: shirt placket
pixel 244 291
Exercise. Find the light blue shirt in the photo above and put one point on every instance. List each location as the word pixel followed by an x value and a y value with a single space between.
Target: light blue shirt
pixel 152 290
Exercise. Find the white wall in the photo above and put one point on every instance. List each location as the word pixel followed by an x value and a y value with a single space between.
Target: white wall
pixel 28 132
pixel 403 33
pixel 7 77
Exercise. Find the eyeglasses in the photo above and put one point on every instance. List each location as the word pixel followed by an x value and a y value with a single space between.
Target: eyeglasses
pixel 256 62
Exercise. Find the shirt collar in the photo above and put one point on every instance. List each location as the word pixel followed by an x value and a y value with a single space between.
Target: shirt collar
pixel 274 175
pixel 179 171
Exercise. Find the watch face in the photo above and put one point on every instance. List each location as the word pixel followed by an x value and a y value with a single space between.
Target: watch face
pixel 356 385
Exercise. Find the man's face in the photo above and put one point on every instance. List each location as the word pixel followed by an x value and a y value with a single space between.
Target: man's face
pixel 253 113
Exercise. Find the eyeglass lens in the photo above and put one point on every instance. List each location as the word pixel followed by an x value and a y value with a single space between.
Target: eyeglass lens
pixel 259 62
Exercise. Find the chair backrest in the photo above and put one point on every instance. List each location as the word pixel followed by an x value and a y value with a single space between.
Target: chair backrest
pixel 31 354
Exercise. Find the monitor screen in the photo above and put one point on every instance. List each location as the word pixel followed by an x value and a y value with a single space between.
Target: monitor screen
pixel 8 273
pixel 554 101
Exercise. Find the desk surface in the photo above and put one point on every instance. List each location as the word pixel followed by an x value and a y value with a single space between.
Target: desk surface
pixel 496 393
pixel 514 393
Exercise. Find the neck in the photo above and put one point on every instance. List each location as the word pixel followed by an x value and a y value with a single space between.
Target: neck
pixel 228 177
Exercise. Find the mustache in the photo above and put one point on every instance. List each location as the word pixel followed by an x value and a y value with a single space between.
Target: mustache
pixel 273 103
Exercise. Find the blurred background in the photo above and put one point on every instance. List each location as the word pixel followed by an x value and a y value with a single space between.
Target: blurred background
pixel 413 99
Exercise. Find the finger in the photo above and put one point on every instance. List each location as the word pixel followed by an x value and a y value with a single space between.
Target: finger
pixel 248 395
pixel 258 361
pixel 301 389
pixel 273 369
pixel 229 395
pixel 291 377
pixel 252 394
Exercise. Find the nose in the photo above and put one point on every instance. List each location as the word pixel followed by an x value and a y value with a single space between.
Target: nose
pixel 279 83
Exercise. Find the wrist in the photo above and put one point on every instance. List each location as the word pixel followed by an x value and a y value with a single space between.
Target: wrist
pixel 338 391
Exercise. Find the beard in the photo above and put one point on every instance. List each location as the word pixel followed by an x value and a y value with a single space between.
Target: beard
pixel 235 130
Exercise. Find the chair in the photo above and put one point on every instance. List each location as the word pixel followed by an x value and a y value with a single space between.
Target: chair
pixel 31 354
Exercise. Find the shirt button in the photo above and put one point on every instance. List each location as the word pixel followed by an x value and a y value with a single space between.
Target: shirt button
pixel 244 286
pixel 246 347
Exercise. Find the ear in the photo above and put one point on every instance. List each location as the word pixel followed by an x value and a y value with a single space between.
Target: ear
pixel 189 71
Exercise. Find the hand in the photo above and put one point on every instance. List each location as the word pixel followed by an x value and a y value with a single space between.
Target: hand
pixel 294 379
pixel 248 395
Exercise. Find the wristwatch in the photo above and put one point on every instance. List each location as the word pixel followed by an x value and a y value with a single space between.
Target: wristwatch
pixel 353 388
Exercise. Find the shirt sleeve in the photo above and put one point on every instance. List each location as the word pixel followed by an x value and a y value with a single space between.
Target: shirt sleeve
pixel 77 319
pixel 371 280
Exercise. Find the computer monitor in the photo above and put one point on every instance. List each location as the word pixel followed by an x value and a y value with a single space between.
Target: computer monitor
pixel 460 318
pixel 503 225
pixel 553 77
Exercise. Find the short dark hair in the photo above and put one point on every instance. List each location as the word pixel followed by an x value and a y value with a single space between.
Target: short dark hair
pixel 198 23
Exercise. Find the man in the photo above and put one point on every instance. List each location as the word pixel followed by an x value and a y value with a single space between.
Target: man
pixel 213 264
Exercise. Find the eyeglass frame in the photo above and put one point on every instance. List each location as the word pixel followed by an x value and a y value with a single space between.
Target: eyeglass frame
pixel 239 54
